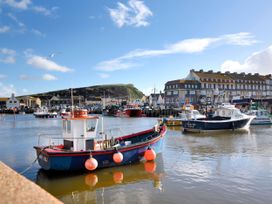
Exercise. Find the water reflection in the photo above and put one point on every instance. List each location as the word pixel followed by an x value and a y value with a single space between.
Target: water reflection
pixel 68 186
pixel 218 167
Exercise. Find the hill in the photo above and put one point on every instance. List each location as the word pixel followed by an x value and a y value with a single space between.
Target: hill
pixel 124 91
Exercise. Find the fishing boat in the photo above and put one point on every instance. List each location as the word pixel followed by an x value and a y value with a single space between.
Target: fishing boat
pixel 44 113
pixel 188 112
pixel 130 111
pixel 262 117
pixel 226 117
pixel 65 113
pixel 80 146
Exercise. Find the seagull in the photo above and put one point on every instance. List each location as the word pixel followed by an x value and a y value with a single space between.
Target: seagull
pixel 53 54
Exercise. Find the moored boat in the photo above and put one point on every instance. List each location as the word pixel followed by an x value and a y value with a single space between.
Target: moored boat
pixel 226 117
pixel 80 142
pixel 130 111
pixel 188 112
pixel 44 113
pixel 262 117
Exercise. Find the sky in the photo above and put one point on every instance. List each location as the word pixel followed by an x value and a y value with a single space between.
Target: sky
pixel 52 45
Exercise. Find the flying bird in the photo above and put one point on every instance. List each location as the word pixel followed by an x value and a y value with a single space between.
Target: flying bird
pixel 53 54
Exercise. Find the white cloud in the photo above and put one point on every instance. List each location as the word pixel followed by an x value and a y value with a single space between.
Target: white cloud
pixel 14 18
pixel 194 45
pixel 7 56
pixel 148 91
pixel 38 33
pixel 44 63
pixel 134 14
pixel 103 75
pixel 258 62
pixel 25 90
pixel 49 77
pixel 7 90
pixel 114 65
pixel 4 29
pixel 2 76
pixel 44 11
pixel 23 4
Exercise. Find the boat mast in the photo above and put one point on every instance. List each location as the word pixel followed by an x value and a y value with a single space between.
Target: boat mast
pixel 72 103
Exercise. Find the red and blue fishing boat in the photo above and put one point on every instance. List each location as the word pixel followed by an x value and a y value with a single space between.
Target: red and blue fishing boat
pixel 81 148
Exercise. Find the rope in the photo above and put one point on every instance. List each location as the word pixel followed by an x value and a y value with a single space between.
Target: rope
pixel 29 167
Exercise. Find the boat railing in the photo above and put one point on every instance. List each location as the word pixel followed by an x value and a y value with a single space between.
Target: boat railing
pixel 56 139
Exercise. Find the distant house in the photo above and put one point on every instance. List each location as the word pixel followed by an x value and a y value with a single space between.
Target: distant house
pixel 156 100
pixel 12 102
pixel 3 102
pixel 30 101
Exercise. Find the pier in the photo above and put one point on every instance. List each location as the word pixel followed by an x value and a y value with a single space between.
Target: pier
pixel 17 189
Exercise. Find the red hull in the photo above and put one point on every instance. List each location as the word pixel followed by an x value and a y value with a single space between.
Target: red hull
pixel 133 112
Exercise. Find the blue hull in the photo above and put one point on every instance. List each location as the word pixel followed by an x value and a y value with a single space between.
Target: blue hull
pixel 206 125
pixel 75 161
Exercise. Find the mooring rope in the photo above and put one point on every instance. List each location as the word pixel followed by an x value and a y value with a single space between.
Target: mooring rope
pixel 29 167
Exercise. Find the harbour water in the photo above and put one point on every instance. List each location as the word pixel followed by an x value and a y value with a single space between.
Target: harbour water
pixel 227 167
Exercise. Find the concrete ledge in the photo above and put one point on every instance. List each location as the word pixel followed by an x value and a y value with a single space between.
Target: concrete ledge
pixel 15 188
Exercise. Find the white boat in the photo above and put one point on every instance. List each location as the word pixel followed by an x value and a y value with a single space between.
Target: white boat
pixel 191 114
pixel 226 117
pixel 262 117
pixel 44 113
pixel 186 114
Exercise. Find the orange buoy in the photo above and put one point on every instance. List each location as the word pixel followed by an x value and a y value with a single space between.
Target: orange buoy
pixel 150 166
pixel 118 177
pixel 91 179
pixel 118 157
pixel 150 154
pixel 91 164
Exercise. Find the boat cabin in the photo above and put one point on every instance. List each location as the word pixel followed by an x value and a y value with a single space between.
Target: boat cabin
pixel 228 111
pixel 79 131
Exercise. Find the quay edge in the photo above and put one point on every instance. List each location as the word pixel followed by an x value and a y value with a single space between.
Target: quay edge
pixel 17 189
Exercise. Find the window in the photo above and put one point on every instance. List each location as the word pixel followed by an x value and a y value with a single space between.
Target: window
pixel 66 125
pixel 91 125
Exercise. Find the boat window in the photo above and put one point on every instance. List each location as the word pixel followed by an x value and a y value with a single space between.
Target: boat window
pixel 91 125
pixel 68 126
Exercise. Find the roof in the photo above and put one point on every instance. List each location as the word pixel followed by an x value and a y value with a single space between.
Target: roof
pixel 212 75
pixel 182 81
pixel 4 99
pixel 249 77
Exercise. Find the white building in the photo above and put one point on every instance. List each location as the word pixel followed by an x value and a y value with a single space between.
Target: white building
pixel 157 100
pixel 12 102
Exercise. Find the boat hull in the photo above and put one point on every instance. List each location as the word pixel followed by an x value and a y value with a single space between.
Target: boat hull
pixel 133 112
pixel 206 125
pixel 75 161
pixel 265 121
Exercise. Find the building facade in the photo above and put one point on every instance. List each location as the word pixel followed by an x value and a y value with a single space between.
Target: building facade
pixel 216 87
pixel 12 102
pixel 179 91
pixel 156 100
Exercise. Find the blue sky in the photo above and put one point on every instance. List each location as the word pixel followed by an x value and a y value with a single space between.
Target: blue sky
pixel 52 45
